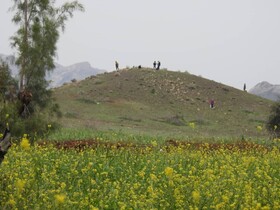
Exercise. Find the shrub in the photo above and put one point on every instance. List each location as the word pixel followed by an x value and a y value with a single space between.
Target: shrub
pixel 37 125
pixel 273 123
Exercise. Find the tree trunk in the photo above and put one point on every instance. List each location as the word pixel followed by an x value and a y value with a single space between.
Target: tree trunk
pixel 25 44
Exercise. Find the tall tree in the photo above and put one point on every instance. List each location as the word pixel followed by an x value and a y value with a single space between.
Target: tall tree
pixel 39 24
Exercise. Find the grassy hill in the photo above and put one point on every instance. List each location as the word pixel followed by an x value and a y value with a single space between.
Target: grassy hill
pixel 161 103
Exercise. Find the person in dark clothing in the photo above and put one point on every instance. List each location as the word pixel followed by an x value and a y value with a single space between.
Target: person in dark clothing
pixel 117 65
pixel 158 65
pixel 212 104
pixel 155 64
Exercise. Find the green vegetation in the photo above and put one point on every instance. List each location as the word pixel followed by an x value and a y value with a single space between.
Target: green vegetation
pixel 7 82
pixel 132 139
pixel 186 176
pixel 142 139
pixel 30 106
pixel 107 136
pixel 273 123
pixel 39 24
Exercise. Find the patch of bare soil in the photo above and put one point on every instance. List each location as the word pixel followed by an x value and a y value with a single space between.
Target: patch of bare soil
pixel 93 143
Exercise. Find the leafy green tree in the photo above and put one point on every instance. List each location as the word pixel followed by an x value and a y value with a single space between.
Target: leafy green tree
pixel 273 123
pixel 39 24
pixel 7 82
pixel 8 97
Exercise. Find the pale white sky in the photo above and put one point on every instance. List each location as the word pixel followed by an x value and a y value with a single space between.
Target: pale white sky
pixel 229 41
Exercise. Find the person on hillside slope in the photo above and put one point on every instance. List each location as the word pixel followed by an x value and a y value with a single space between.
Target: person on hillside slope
pixel 211 104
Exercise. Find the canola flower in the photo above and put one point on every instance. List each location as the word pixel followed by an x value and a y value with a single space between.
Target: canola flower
pixel 25 142
pixel 259 128
pixel 196 196
pixel 154 143
pixel 192 125
pixel 168 171
pixel 20 184
pixel 60 198
pixel 177 178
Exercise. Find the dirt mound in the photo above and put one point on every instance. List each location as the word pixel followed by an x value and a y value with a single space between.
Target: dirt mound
pixel 93 143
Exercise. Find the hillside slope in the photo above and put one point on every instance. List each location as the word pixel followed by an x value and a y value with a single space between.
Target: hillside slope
pixel 160 103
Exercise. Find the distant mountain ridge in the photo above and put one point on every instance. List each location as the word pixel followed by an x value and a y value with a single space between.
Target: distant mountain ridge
pixel 61 74
pixel 64 74
pixel 266 90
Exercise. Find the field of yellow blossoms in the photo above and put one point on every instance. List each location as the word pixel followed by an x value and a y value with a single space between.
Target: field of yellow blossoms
pixel 145 177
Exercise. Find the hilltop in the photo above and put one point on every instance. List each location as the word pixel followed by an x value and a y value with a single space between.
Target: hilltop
pixel 164 103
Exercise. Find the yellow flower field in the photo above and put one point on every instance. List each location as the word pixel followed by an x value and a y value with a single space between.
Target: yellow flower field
pixel 150 177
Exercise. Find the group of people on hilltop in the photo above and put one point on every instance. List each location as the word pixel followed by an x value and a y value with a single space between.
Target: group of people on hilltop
pixel 156 65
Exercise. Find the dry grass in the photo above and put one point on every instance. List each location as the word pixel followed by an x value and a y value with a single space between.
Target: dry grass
pixel 146 101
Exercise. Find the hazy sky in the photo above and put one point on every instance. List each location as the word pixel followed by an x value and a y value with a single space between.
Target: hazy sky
pixel 229 41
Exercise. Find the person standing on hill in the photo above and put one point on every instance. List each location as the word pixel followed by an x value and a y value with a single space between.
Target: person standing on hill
pixel 155 64
pixel 158 65
pixel 117 65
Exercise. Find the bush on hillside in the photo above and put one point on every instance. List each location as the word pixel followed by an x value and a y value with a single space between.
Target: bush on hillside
pixel 41 113
pixel 36 126
pixel 273 123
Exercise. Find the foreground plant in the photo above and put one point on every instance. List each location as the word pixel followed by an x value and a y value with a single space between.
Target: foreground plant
pixel 150 177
